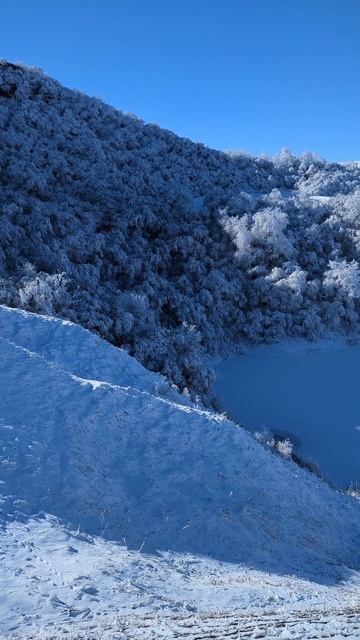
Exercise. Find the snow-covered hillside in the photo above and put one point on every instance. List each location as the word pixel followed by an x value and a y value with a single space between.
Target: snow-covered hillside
pixel 164 246
pixel 126 509
pixel 192 514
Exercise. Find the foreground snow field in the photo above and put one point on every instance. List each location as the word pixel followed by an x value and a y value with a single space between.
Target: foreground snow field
pixel 127 511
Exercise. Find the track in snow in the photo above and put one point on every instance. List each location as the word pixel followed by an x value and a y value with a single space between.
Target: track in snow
pixel 292 625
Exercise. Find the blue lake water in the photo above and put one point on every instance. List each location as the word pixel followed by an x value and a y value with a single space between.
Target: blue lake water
pixel 310 393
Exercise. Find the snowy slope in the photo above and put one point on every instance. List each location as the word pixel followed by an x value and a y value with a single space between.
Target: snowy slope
pixel 201 511
pixel 74 349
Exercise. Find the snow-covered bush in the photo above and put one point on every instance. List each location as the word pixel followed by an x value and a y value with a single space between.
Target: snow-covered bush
pixel 344 276
pixel 269 227
pixel 284 447
pixel 44 293
pixel 353 490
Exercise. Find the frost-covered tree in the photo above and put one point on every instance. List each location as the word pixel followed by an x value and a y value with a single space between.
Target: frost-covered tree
pixel 343 276
pixel 269 226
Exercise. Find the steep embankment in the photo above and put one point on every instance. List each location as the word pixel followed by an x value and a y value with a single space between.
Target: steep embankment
pixel 87 436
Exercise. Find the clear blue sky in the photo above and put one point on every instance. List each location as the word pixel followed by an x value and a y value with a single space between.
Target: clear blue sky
pixel 255 75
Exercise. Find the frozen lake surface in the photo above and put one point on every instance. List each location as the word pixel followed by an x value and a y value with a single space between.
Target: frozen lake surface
pixel 308 393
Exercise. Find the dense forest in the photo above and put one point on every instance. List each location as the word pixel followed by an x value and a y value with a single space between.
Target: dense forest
pixel 161 245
